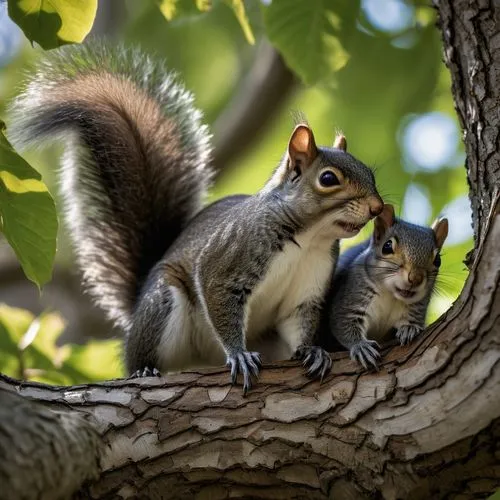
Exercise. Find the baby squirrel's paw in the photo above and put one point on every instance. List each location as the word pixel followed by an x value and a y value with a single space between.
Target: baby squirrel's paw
pixel 315 359
pixel 407 333
pixel 146 372
pixel 248 364
pixel 366 352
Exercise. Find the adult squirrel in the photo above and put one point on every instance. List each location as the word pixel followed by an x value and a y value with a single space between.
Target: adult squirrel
pixel 189 287
pixel 383 284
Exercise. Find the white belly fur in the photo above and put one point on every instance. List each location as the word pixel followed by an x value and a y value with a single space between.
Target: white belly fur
pixel 295 275
pixel 384 313
pixel 187 340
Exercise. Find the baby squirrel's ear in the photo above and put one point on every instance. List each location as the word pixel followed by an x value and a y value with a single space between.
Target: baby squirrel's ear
pixel 340 142
pixel 302 149
pixel 440 228
pixel 383 222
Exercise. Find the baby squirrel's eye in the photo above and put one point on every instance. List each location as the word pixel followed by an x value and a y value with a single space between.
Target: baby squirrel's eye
pixel 387 248
pixel 328 179
pixel 437 260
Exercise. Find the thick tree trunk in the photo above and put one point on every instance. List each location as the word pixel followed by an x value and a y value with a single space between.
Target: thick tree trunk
pixel 426 426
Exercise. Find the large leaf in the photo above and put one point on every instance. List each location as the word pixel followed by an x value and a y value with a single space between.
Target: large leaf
pixel 28 214
pixel 52 23
pixel 306 33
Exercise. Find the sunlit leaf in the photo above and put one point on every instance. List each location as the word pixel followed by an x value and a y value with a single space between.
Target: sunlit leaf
pixel 29 219
pixel 52 23
pixel 16 321
pixel 51 327
pixel 13 324
pixel 239 10
pixel 95 360
pixel 30 341
pixel 307 34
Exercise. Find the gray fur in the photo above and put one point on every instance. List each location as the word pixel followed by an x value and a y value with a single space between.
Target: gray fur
pixel 135 169
pixel 190 287
pixel 361 307
pixel 221 259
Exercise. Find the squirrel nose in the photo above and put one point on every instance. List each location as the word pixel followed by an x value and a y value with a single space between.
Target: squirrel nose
pixel 376 205
pixel 415 278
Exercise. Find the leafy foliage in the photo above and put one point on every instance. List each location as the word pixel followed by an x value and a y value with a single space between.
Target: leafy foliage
pixel 29 351
pixel 173 8
pixel 307 34
pixel 360 78
pixel 52 23
pixel 29 220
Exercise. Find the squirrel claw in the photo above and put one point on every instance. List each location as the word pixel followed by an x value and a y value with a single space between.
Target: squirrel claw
pixel 146 372
pixel 315 360
pixel 248 364
pixel 366 353
pixel 407 333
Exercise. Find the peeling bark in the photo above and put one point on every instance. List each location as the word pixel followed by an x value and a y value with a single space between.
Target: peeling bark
pixel 427 425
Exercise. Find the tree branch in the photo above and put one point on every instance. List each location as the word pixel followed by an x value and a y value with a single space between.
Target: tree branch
pixel 426 426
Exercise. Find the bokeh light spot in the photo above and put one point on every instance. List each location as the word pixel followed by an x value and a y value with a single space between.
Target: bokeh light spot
pixel 430 141
pixel 417 207
pixel 459 216
pixel 11 36
pixel 391 16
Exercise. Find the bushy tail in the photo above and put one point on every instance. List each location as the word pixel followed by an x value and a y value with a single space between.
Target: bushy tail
pixel 135 167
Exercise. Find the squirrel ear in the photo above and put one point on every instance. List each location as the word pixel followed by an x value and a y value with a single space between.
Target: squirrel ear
pixel 440 228
pixel 340 142
pixel 383 222
pixel 302 149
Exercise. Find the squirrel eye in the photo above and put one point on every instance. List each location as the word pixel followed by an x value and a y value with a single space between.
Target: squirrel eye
pixel 437 260
pixel 387 248
pixel 328 179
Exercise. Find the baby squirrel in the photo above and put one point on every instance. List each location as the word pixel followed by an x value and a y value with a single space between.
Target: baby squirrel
pixel 382 284
pixel 188 286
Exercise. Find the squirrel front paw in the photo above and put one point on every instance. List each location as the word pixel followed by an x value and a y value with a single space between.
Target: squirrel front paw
pixel 315 359
pixel 248 364
pixel 146 372
pixel 407 333
pixel 366 352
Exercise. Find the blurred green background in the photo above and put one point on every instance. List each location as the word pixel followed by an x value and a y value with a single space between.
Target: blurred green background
pixel 370 68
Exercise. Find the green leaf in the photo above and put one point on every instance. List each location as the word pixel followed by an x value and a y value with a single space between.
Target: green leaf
pixel 93 361
pixel 13 324
pixel 239 10
pixel 306 34
pixel 52 23
pixel 28 214
pixel 495 496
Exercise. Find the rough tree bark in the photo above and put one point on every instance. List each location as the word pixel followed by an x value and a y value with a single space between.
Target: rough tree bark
pixel 426 426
